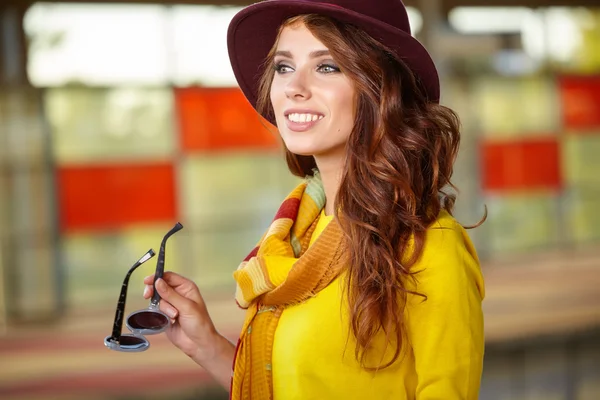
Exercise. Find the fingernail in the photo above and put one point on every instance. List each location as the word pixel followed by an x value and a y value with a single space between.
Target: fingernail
pixel 146 290
pixel 171 313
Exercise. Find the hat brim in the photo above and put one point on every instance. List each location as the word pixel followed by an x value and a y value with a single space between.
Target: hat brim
pixel 252 33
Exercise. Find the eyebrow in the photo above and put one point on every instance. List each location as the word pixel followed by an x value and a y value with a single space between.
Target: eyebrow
pixel 313 54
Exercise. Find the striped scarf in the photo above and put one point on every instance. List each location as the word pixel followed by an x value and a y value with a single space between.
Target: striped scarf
pixel 264 289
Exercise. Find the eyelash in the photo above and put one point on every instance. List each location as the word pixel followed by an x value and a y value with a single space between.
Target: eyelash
pixel 278 67
pixel 332 67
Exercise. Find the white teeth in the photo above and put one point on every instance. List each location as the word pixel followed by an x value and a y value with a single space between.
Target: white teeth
pixel 296 117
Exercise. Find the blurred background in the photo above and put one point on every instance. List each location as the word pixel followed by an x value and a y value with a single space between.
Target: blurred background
pixel 118 119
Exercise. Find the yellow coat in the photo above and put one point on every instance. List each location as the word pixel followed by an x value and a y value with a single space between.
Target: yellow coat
pixel 313 354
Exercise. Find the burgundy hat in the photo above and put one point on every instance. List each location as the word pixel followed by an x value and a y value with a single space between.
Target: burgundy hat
pixel 253 30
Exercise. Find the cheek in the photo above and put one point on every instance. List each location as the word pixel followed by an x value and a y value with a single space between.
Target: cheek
pixel 273 96
pixel 349 108
pixel 276 103
pixel 345 110
pixel 341 96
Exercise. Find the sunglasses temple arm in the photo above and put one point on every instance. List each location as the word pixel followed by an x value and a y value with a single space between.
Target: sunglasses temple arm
pixel 118 324
pixel 160 263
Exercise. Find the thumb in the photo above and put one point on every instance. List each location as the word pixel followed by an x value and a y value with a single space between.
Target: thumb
pixel 170 295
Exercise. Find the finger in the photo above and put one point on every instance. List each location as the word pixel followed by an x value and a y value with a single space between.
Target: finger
pixel 174 279
pixel 148 291
pixel 183 286
pixel 168 309
pixel 178 301
pixel 171 278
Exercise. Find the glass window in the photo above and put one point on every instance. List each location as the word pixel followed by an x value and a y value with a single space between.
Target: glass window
pixel 96 44
pixel 106 124
pixel 500 116
pixel 521 222
pixel 228 187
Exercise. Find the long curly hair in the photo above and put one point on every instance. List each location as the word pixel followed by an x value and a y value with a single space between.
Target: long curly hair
pixel 399 161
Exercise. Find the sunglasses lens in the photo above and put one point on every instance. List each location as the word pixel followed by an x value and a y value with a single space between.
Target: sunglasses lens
pixel 129 343
pixel 147 321
pixel 133 342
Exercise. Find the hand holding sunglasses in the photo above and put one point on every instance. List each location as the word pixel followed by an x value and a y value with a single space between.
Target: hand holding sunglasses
pixel 149 321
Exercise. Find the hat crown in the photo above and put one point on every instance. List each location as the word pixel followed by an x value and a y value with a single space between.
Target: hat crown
pixel 253 30
pixel 391 12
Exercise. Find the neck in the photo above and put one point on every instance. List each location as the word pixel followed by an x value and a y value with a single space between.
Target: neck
pixel 331 175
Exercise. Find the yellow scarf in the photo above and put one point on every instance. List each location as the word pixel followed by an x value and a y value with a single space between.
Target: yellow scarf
pixel 265 291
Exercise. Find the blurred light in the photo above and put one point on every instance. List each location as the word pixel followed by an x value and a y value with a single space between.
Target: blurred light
pixel 513 63
pixel 416 20
pixel 551 33
pixel 199 42
pixel 564 35
pixel 108 44
pixel 96 44
pixel 488 19
pixel 133 44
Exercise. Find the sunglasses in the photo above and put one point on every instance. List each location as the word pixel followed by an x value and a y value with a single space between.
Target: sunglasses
pixel 149 321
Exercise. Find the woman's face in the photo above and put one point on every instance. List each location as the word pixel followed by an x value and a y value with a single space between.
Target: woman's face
pixel 313 101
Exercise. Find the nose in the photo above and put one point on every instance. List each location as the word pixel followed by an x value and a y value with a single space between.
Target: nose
pixel 297 86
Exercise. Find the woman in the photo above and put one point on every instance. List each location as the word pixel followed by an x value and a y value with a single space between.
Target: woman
pixel 364 286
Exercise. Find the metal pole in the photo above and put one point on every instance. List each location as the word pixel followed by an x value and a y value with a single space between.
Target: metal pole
pixel 3 314
pixel 433 24
pixel 29 288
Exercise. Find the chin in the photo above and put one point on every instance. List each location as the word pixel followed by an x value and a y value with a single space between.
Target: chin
pixel 312 149
pixel 301 151
pixel 302 148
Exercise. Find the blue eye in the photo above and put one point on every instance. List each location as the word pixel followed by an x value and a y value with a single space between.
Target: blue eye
pixel 282 68
pixel 327 68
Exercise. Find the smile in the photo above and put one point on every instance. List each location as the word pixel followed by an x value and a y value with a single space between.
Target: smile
pixel 301 121
pixel 302 118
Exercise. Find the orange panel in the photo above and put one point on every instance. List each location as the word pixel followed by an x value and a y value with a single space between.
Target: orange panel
pixel 580 98
pixel 525 165
pixel 220 119
pixel 114 196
